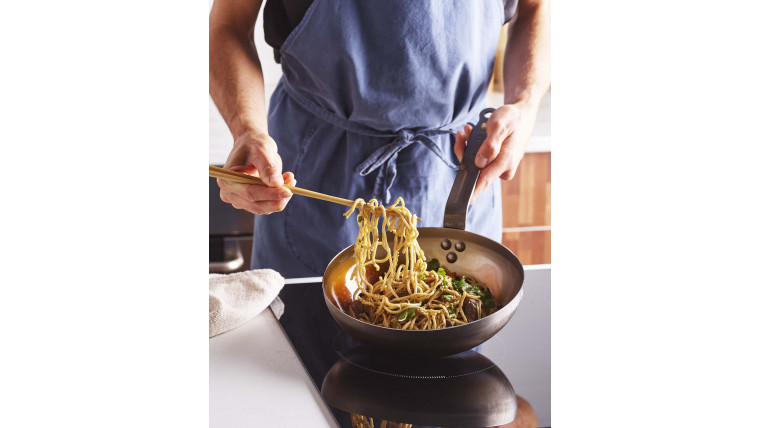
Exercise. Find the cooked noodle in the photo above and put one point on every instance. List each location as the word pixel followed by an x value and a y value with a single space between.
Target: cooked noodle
pixel 359 421
pixel 407 295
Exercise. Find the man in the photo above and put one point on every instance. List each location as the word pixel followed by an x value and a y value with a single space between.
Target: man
pixel 371 96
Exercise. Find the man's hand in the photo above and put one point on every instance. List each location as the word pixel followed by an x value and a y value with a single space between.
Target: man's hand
pixel 509 128
pixel 256 154
pixel 237 87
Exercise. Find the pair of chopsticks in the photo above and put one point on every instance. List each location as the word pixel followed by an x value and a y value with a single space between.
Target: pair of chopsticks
pixel 239 177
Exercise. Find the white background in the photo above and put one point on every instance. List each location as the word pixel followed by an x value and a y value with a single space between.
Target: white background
pixel 105 138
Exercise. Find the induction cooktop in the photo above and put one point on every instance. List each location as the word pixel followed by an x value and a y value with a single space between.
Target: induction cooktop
pixel 369 388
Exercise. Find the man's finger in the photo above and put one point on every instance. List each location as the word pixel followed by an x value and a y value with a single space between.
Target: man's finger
pixel 263 194
pixel 253 192
pixel 496 129
pixel 240 190
pixel 459 145
pixel 245 169
pixel 460 142
pixel 289 178
pixel 240 203
pixel 490 173
pixel 269 165
pixel 508 174
pixel 260 208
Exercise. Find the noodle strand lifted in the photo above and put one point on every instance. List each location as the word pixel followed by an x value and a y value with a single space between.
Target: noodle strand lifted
pixel 400 289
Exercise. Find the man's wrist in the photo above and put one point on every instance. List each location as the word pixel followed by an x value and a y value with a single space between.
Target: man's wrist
pixel 252 134
pixel 241 126
pixel 527 100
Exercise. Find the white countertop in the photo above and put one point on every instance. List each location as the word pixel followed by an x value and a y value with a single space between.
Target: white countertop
pixel 256 378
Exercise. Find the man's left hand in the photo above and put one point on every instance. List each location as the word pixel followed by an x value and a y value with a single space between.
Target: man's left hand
pixel 509 129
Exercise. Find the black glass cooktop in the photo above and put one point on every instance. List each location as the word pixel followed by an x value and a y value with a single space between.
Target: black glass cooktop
pixel 368 388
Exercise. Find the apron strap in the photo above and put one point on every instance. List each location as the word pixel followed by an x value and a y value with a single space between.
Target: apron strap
pixel 385 157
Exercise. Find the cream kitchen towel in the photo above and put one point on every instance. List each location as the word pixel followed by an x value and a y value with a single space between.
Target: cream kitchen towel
pixel 236 298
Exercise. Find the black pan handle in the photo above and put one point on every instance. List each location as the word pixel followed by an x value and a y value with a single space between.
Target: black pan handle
pixel 455 215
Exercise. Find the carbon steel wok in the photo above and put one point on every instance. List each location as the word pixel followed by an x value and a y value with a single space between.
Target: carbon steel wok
pixel 460 251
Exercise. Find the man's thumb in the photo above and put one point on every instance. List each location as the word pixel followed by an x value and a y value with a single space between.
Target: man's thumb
pixel 270 170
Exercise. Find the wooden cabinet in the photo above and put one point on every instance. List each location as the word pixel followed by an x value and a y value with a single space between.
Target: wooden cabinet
pixel 526 210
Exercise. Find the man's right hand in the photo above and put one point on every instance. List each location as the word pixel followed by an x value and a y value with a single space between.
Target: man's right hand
pixel 256 154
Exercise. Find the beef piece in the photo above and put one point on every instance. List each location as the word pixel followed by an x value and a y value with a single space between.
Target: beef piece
pixel 470 309
pixel 449 323
pixel 372 274
pixel 357 308
pixel 402 292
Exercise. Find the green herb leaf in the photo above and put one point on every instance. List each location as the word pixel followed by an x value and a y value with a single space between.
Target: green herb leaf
pixel 452 315
pixel 459 284
pixel 407 314
pixel 441 272
pixel 360 219
pixel 448 297
pixel 479 291
pixel 433 265
pixel 489 303
pixel 422 277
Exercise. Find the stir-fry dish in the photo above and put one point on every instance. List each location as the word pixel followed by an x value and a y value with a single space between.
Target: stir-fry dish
pixel 402 289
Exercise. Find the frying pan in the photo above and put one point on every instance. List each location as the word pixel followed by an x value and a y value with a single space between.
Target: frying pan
pixel 463 252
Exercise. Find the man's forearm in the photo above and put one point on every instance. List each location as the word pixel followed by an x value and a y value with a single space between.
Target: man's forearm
pixel 527 73
pixel 236 81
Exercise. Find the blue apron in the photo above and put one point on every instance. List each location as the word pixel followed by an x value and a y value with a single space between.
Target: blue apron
pixel 371 95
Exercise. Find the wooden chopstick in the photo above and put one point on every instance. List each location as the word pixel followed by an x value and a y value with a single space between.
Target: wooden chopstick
pixel 239 177
pixel 235 176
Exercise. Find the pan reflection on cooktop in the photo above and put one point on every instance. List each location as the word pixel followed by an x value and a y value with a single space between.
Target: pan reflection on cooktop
pixel 466 389
pixel 366 387
pixel 393 364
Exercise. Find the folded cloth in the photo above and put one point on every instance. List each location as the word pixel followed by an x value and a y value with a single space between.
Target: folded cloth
pixel 236 298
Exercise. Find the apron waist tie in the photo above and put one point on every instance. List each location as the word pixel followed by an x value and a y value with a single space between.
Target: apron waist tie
pixel 383 158
pixel 386 156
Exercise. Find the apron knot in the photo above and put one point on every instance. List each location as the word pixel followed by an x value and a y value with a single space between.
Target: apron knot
pixel 386 156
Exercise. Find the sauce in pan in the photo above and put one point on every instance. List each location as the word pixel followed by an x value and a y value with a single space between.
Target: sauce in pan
pixel 340 286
